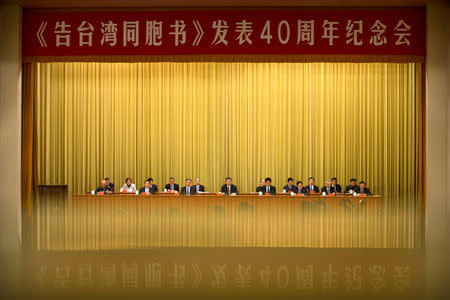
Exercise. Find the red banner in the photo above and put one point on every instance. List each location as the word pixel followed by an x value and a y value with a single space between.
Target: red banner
pixel 244 32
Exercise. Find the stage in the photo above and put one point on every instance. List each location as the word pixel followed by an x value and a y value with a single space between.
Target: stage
pixel 131 222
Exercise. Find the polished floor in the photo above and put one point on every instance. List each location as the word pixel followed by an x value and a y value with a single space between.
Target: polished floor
pixel 48 272
pixel 213 272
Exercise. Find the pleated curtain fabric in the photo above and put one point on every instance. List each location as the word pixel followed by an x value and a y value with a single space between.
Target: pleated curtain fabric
pixel 244 120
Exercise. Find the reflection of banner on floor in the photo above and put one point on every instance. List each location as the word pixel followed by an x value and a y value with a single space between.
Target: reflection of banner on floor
pixel 301 270
pixel 237 32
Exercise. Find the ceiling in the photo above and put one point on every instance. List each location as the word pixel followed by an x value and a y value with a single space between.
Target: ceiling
pixel 204 3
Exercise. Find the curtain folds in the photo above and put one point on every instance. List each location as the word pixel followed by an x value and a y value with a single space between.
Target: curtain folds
pixel 244 120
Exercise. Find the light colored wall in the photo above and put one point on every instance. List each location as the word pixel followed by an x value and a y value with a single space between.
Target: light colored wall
pixel 10 140
pixel 437 170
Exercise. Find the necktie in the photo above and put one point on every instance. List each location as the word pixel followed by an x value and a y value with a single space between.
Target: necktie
pixel 229 190
pixel 171 186
pixel 188 191
pixel 311 188
pixel 267 190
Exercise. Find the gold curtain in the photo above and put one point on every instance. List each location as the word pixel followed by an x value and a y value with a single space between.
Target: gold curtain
pixel 244 120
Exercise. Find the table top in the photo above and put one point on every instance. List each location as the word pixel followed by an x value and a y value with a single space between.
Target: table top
pixel 279 195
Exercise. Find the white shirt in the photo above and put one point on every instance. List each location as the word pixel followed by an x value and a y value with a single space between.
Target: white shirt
pixel 131 187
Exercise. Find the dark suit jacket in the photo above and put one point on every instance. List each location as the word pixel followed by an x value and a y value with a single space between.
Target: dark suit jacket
pixel 338 188
pixel 303 191
pixel 153 189
pixel 349 187
pixel 324 189
pixel 191 191
pixel 273 190
pixel 100 189
pixel 288 189
pixel 111 186
pixel 366 190
pixel 176 187
pixel 201 188
pixel 260 189
pixel 316 188
pixel 233 189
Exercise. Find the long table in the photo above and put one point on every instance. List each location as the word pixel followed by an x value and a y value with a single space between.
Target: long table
pixel 127 221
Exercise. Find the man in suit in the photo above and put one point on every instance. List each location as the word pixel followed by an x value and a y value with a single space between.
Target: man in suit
pixel 187 189
pixel 301 189
pixel 109 184
pixel 362 189
pixel 198 187
pixel 262 185
pixel 228 188
pixel 351 187
pixel 269 189
pixel 311 187
pixel 146 188
pixel 290 187
pixel 172 186
pixel 327 189
pixel 337 187
pixel 103 188
pixel 153 187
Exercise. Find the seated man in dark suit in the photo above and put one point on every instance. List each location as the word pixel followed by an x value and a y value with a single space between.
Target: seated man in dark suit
pixel 103 188
pixel 146 188
pixel 153 187
pixel 187 189
pixel 311 188
pixel 301 189
pixel 269 189
pixel 198 187
pixel 351 187
pixel 109 183
pixel 337 187
pixel 362 189
pixel 228 188
pixel 172 186
pixel 327 189
pixel 262 185
pixel 290 187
